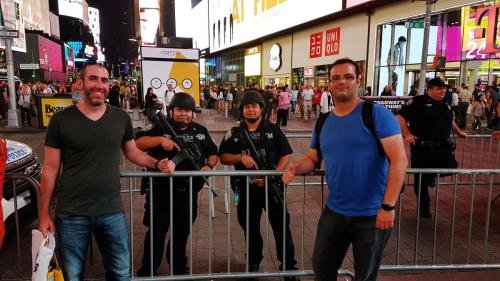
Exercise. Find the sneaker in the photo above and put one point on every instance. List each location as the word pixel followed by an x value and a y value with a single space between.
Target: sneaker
pixel 425 213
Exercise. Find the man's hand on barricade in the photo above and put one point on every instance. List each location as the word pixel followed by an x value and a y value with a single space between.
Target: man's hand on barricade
pixel 165 165
pixel 46 225
pixel 385 219
pixel 169 145
pixel 289 174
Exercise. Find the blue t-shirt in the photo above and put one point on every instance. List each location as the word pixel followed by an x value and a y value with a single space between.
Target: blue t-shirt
pixel 356 172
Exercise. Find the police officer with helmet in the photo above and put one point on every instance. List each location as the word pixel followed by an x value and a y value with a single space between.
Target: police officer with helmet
pixel 160 143
pixel 426 123
pixel 269 149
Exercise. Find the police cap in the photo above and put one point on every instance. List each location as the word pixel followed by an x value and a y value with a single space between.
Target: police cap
pixel 250 97
pixel 183 100
pixel 436 82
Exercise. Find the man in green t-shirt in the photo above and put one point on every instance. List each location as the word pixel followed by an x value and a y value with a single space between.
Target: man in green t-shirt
pixel 86 139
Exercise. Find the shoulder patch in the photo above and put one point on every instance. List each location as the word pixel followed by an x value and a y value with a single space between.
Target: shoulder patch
pixel 410 101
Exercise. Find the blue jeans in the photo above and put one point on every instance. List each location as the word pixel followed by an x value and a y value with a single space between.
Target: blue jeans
pixel 111 234
pixel 335 233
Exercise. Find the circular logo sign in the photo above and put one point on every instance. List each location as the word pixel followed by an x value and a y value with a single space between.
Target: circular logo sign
pixel 275 57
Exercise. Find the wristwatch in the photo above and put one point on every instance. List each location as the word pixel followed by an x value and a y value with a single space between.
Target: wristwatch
pixel 387 207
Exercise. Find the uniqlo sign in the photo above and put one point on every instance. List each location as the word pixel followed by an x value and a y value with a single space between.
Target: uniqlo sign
pixel 332 45
pixel 316 45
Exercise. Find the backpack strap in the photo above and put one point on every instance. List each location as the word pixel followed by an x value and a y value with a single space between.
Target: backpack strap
pixel 317 129
pixel 367 115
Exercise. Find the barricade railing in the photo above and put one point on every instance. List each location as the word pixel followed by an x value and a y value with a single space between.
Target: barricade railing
pixel 425 251
pixel 460 235
pixel 21 272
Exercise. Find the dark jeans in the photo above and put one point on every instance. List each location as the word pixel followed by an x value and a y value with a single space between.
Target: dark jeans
pixel 25 115
pixel 335 233
pixel 161 224
pixel 111 235
pixel 275 214
pixel 282 117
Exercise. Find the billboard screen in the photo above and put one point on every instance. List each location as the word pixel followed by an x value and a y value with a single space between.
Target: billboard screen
pixel 50 55
pixel 149 14
pixel 71 8
pixel 235 22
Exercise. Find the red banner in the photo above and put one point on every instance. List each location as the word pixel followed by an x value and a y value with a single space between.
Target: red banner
pixel 316 45
pixel 332 45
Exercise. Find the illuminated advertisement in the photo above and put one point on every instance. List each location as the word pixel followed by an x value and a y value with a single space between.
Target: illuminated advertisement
pixel 69 56
pixel 177 67
pixel 149 11
pixel 480 32
pixel 74 8
pixel 252 61
pixel 36 15
pixel 9 10
pixel 239 21
pixel 351 3
pixel 49 106
pixel 50 55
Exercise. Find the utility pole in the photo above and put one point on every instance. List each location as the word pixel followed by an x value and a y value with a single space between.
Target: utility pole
pixel 13 120
pixel 8 35
pixel 425 44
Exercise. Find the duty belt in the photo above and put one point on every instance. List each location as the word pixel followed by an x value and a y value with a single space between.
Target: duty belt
pixel 433 143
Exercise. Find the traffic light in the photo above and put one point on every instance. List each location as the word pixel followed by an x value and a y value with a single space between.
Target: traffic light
pixel 438 62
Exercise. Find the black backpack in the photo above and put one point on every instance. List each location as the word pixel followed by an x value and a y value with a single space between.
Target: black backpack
pixel 367 116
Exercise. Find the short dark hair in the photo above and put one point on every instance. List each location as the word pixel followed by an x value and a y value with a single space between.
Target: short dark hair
pixel 344 61
pixel 436 82
pixel 83 69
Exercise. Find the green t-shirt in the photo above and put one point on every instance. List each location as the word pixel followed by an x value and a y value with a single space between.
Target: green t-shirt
pixel 89 183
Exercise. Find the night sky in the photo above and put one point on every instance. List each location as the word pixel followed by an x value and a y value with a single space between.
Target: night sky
pixel 116 20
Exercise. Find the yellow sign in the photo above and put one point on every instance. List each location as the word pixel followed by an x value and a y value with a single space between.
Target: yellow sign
pixel 49 106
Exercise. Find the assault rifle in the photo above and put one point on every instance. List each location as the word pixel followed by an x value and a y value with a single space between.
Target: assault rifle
pixel 260 157
pixel 188 151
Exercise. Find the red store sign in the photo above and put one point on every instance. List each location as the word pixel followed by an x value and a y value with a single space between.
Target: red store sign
pixel 315 45
pixel 332 43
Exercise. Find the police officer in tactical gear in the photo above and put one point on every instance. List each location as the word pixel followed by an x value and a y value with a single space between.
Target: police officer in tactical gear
pixel 273 149
pixel 159 144
pixel 426 123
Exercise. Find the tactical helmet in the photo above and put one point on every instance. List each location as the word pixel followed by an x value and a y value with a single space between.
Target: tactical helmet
pixel 252 97
pixel 183 100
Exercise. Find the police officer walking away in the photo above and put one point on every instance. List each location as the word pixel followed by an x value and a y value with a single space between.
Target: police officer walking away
pixel 159 142
pixel 426 123
pixel 271 145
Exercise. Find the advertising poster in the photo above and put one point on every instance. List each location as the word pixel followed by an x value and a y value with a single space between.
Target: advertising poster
pixel 49 106
pixel 394 103
pixel 177 67
pixel 235 22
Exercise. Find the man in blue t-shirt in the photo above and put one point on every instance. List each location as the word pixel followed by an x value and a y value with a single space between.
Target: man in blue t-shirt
pixel 364 182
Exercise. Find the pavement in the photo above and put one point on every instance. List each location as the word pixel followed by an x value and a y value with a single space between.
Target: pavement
pixel 448 235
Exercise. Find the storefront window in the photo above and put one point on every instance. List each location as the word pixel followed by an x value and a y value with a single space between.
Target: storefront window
pixel 385 43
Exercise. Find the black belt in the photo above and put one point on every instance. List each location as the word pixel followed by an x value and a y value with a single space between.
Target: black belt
pixel 432 143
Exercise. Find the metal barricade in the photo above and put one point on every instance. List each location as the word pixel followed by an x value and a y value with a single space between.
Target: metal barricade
pixel 305 202
pixel 461 235
pixel 22 270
